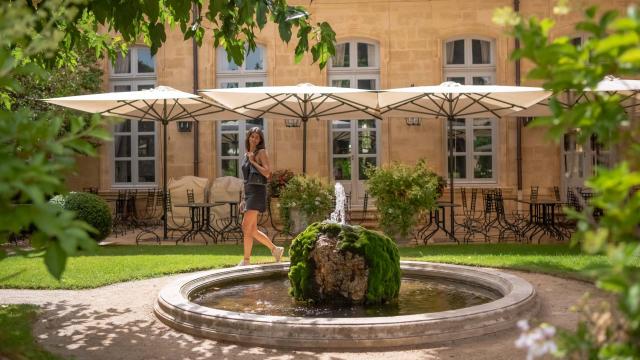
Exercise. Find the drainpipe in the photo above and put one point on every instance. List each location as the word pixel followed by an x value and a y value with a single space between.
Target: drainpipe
pixel 196 135
pixel 516 8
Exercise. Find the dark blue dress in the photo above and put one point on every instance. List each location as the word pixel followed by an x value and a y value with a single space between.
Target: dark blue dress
pixel 255 196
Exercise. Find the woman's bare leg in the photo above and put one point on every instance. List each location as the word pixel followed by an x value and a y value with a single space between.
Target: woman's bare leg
pixel 251 217
pixel 249 222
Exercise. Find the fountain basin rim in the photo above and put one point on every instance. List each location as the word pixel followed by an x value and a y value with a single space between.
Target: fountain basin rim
pixel 514 291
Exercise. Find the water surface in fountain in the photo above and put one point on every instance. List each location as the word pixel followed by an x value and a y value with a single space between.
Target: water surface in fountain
pixel 269 296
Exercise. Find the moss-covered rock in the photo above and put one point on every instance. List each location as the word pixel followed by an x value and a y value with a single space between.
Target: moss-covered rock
pixel 379 251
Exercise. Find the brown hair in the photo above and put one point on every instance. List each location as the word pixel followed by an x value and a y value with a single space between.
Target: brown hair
pixel 258 131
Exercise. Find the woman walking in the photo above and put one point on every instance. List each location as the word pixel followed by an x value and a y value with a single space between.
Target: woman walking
pixel 255 171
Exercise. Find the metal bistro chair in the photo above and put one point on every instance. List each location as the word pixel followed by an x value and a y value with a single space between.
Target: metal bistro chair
pixel 149 220
pixel 471 217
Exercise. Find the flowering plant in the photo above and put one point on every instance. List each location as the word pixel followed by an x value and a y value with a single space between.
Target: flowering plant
pixel 308 194
pixel 278 181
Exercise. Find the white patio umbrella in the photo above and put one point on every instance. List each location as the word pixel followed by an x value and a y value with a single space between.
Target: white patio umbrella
pixel 163 104
pixel 629 91
pixel 451 100
pixel 303 101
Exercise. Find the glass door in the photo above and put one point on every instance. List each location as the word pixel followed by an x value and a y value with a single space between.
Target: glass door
pixel 354 144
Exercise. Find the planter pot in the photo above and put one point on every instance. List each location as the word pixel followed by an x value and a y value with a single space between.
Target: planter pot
pixel 299 221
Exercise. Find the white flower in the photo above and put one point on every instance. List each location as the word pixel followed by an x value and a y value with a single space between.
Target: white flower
pixel 537 341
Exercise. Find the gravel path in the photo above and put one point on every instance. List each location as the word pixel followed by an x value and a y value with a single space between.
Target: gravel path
pixel 117 322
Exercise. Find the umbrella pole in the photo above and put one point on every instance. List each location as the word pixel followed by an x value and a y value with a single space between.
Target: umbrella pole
pixel 451 163
pixel 164 172
pixel 304 145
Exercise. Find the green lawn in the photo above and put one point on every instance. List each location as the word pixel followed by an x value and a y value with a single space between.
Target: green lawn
pixel 113 264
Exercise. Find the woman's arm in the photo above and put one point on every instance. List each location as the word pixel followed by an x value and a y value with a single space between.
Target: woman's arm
pixel 261 162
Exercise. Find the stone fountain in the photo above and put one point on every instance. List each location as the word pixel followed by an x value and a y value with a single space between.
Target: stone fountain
pixel 335 262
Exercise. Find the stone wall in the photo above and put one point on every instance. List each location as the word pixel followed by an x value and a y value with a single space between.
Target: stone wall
pixel 410 35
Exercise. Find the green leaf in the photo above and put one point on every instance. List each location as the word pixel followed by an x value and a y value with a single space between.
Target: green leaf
pixel 617 41
pixel 56 259
pixel 261 13
pixel 284 29
pixel 631 56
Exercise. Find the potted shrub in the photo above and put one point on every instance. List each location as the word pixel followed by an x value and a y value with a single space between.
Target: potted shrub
pixel 304 200
pixel 402 192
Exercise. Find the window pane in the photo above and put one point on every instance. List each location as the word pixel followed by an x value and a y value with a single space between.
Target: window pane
pixel 363 164
pixel 146 146
pixel 227 65
pixel 229 125
pixel 251 123
pixel 459 167
pixel 367 84
pixel 229 85
pixel 458 122
pixel 342 142
pixel 458 79
pixel 341 124
pixel 145 86
pixel 230 167
pixel 366 124
pixel 481 122
pixel 483 167
pixel 569 142
pixel 342 169
pixel 253 83
pixel 455 52
pixel 146 62
pixel 123 171
pixel 254 60
pixel 344 83
pixel 229 145
pixel 342 56
pixel 576 41
pixel 146 171
pixel 146 126
pixel 366 55
pixel 459 139
pixel 123 64
pixel 481 80
pixel 482 140
pixel 481 51
pixel 122 145
pixel 367 142
pixel 124 126
pixel 121 88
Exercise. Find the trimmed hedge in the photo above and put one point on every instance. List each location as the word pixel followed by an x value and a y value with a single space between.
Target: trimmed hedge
pixel 379 251
pixel 91 209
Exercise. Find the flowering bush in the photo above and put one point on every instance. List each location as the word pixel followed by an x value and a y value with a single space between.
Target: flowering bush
pixel 308 194
pixel 278 181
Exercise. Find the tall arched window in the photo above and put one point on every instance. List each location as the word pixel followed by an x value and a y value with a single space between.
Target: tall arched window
pixel 231 134
pixel 134 142
pixel 355 144
pixel 471 61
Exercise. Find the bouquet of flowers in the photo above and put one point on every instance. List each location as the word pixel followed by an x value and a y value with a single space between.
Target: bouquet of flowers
pixel 278 181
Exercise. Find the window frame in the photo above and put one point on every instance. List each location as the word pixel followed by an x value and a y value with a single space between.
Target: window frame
pixel 242 77
pixel 134 136
pixel 133 52
pixel 470 152
pixel 468 70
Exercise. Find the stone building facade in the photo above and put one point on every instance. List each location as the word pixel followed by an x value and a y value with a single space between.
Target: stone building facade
pixel 381 44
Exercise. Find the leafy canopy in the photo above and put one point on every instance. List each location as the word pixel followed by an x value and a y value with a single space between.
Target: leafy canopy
pixel 612 48
pixel 48 42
